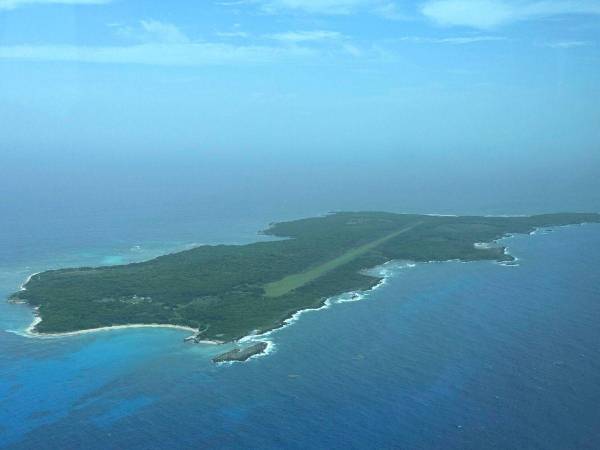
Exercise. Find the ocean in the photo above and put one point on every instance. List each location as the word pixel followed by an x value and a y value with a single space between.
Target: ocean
pixel 442 355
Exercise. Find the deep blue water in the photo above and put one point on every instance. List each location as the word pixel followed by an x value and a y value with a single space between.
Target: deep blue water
pixel 444 355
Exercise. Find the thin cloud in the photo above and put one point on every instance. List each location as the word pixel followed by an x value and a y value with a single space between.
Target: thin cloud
pixel 306 36
pixel 384 8
pixel 334 7
pixel 233 34
pixel 389 10
pixel 148 31
pixel 13 4
pixel 191 54
pixel 164 32
pixel 460 40
pixel 487 14
pixel 568 44
pixel 352 50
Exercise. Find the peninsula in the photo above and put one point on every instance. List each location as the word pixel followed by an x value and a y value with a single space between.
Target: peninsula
pixel 231 291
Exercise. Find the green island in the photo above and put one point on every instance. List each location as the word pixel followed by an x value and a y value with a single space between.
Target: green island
pixel 230 291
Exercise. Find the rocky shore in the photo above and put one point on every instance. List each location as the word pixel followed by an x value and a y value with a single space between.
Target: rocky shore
pixel 238 354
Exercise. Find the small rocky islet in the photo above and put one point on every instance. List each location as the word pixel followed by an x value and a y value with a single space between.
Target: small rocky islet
pixel 241 354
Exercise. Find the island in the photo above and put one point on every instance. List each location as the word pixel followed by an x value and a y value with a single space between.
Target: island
pixel 239 355
pixel 226 292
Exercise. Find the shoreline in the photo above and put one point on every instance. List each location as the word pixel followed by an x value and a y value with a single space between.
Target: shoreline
pixel 355 296
pixel 384 276
pixel 31 333
pixel 22 287
pixel 294 317
pixel 358 295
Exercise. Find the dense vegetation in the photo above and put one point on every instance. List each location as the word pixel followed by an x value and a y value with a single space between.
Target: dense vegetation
pixel 222 289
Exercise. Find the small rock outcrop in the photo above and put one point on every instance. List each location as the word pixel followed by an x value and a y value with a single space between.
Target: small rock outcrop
pixel 238 354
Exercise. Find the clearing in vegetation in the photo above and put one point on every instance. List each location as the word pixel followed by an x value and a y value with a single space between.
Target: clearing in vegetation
pixel 294 281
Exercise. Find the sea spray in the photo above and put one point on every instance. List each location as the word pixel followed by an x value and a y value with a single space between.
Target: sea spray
pixel 383 271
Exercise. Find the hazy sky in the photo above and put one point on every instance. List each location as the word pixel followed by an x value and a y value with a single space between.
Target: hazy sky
pixel 301 77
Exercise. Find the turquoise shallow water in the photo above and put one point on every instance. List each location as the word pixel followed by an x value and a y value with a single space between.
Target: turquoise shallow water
pixel 444 355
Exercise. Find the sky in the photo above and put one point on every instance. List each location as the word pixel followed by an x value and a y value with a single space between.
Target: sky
pixel 497 80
